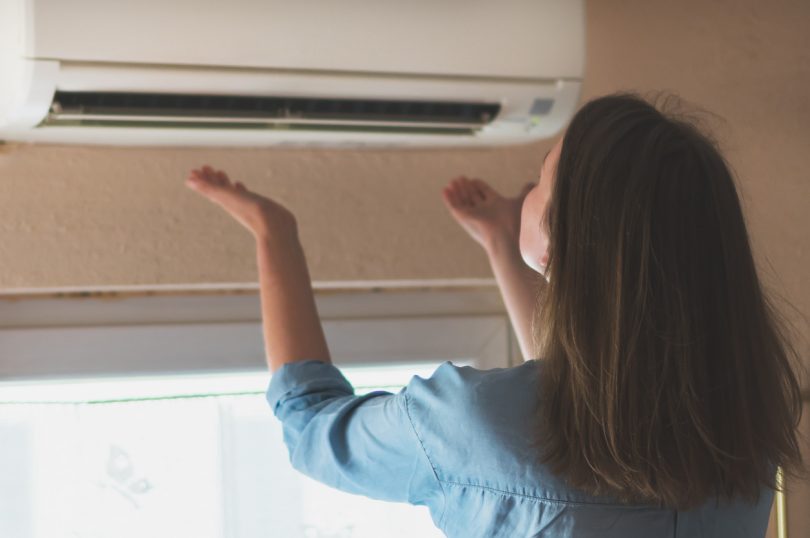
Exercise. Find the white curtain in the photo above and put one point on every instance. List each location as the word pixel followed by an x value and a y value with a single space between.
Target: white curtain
pixel 208 466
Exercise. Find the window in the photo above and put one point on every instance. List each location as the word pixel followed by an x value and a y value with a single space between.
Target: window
pixel 192 449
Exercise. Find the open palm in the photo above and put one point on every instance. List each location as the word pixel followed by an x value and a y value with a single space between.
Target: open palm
pixel 261 215
pixel 483 212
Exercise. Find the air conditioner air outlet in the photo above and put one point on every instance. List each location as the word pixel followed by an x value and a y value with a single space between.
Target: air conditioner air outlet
pixel 224 110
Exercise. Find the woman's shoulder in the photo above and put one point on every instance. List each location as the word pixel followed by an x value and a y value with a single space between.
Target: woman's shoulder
pixel 462 382
pixel 459 400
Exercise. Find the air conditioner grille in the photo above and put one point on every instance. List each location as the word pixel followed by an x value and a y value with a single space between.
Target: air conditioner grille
pixel 171 108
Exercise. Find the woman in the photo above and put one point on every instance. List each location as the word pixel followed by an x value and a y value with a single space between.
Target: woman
pixel 664 396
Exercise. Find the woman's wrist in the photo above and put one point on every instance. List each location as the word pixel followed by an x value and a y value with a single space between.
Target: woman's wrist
pixel 501 243
pixel 271 237
pixel 281 254
pixel 272 231
pixel 269 221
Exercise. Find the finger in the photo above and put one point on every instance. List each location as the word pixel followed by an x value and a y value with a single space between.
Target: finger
pixel 455 182
pixel 454 190
pixel 196 180
pixel 452 197
pixel 232 200
pixel 485 188
pixel 467 192
pixel 461 197
pixel 206 180
pixel 212 175
pixel 478 190
pixel 446 195
pixel 202 178
pixel 458 191
pixel 205 172
pixel 222 178
pixel 482 185
pixel 459 202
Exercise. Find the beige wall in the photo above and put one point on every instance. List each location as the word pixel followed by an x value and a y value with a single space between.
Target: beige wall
pixel 82 217
pixel 99 216
pixel 86 216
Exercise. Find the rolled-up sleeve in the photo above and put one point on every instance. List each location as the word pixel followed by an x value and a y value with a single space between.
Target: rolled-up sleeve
pixel 359 444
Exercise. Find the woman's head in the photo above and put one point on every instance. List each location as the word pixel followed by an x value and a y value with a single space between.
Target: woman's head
pixel 667 378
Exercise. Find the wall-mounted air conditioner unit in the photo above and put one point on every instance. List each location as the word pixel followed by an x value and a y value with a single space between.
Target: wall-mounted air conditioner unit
pixel 250 72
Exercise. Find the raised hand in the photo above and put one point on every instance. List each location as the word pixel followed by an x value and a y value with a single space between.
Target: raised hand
pixel 265 218
pixel 484 213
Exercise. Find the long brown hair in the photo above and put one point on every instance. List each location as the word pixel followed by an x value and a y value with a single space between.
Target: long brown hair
pixel 667 376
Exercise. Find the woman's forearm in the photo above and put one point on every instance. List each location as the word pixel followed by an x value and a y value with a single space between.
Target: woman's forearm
pixel 291 326
pixel 519 285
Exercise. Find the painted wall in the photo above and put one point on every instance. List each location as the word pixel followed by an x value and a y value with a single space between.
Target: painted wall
pixel 84 217
pixel 88 217
pixel 96 216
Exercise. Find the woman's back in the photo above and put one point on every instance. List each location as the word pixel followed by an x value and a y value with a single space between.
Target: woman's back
pixel 495 486
pixel 463 436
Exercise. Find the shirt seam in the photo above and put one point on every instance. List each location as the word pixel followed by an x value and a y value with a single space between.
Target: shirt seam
pixel 432 466
pixel 546 499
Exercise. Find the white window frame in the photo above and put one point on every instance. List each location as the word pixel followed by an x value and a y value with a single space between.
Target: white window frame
pixel 110 335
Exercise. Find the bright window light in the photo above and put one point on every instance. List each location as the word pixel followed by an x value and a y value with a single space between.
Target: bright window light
pixel 195 455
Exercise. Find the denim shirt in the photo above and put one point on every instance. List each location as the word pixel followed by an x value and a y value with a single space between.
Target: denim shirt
pixel 459 443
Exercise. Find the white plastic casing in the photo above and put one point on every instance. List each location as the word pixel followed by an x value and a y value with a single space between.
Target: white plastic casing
pixel 511 52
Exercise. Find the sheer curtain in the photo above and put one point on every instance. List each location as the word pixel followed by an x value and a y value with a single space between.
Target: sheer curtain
pixel 173 457
pixel 111 453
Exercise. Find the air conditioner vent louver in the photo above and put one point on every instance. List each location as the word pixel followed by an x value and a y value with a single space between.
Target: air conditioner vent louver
pixel 116 107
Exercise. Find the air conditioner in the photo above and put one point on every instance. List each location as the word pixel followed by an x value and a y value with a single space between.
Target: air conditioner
pixel 265 72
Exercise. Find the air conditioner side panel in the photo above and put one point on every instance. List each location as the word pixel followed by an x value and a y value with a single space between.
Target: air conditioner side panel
pixel 26 86
pixel 27 95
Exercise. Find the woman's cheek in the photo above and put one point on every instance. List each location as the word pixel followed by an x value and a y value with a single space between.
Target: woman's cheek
pixel 532 240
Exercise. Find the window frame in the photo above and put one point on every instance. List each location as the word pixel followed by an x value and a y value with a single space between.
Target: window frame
pixel 121 335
